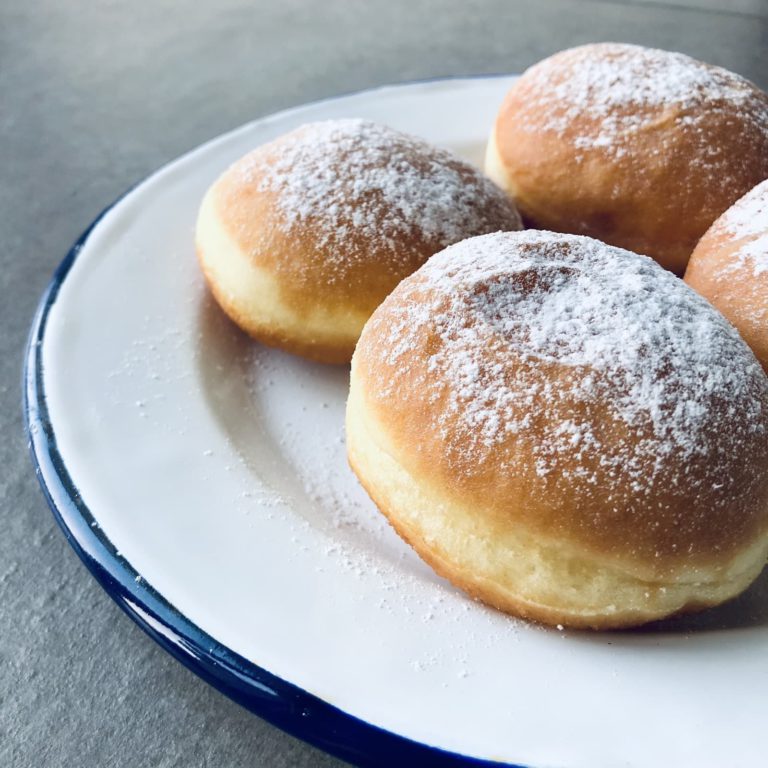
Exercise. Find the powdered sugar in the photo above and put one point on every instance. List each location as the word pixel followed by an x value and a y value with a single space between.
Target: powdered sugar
pixel 629 347
pixel 353 184
pixel 747 220
pixel 607 93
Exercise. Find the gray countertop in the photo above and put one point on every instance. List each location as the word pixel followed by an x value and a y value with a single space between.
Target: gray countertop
pixel 92 98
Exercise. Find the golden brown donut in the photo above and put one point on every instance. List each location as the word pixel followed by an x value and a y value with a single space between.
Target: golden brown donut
pixel 564 430
pixel 730 268
pixel 637 147
pixel 303 238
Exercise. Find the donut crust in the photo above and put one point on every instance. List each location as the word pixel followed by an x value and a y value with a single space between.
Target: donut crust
pixel 730 282
pixel 303 238
pixel 624 601
pixel 607 534
pixel 646 175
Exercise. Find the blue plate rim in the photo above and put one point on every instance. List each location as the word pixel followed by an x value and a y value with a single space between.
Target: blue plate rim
pixel 283 704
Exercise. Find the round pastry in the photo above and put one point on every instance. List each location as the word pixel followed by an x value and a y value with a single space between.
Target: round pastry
pixel 730 268
pixel 304 237
pixel 637 147
pixel 564 430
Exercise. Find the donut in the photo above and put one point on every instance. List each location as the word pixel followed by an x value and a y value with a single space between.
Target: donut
pixel 637 147
pixel 303 238
pixel 564 430
pixel 730 268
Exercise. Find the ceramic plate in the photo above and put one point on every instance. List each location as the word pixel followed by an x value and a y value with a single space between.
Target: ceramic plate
pixel 202 478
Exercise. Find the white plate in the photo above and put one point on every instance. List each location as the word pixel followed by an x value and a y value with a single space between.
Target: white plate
pixel 203 479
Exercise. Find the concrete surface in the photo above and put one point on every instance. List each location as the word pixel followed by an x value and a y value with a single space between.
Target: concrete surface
pixel 92 98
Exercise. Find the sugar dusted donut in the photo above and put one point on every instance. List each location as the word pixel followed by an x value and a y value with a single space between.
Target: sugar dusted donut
pixel 565 430
pixel 730 268
pixel 637 147
pixel 303 238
